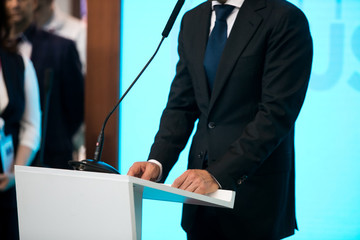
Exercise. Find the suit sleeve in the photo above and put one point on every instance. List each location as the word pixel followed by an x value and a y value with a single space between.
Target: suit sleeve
pixel 287 68
pixel 178 118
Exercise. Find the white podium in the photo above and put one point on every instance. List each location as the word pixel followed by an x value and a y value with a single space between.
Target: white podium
pixel 64 204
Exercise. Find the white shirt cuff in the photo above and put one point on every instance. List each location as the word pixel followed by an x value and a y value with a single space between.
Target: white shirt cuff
pixel 160 166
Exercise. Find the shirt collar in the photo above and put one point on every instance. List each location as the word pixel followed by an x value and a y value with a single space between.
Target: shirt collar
pixel 235 3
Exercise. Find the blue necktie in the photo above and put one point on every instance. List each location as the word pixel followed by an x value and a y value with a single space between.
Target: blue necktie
pixel 216 42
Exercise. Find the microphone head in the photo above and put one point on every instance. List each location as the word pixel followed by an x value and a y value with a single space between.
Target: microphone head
pixel 172 18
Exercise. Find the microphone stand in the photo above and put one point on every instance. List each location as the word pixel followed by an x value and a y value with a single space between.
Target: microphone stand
pixel 96 165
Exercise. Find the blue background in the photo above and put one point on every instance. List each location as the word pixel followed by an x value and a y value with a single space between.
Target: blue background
pixel 327 130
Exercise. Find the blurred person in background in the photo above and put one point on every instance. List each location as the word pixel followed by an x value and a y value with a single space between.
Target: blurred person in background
pixel 19 118
pixel 60 78
pixel 49 17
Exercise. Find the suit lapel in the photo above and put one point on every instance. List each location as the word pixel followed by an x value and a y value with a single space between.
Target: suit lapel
pixel 199 46
pixel 246 24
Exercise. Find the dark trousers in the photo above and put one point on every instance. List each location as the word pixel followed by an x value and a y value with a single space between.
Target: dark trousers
pixel 9 229
pixel 206 226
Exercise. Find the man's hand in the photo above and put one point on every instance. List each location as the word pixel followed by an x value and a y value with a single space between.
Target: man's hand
pixel 196 180
pixel 144 170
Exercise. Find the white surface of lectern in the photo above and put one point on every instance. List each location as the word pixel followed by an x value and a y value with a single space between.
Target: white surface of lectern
pixel 64 204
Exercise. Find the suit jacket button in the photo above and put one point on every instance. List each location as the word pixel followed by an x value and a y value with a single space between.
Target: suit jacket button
pixel 242 180
pixel 211 125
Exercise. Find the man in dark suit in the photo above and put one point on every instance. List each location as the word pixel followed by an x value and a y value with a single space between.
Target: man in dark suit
pixel 61 82
pixel 244 139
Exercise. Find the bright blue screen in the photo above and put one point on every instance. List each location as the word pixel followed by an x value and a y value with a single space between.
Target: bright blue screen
pixel 327 130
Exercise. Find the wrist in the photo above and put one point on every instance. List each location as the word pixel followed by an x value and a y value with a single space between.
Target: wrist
pixel 160 169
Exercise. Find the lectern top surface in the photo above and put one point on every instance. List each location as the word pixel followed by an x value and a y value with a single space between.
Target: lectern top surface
pixel 151 190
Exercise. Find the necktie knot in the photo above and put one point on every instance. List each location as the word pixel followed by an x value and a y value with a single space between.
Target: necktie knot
pixel 222 12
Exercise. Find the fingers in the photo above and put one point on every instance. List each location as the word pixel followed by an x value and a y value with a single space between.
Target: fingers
pixel 151 172
pixel 180 180
pixel 137 169
pixel 198 181
pixel 144 170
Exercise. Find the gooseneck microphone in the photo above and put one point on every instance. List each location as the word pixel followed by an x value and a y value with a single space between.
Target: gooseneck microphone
pixel 96 165
pixel 172 18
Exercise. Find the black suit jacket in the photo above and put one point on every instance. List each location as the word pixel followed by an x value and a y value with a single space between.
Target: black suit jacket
pixel 51 53
pixel 245 132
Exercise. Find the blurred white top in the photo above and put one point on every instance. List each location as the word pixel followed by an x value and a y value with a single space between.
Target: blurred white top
pixel 30 124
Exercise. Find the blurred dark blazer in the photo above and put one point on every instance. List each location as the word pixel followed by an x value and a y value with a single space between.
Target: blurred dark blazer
pixel 56 60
